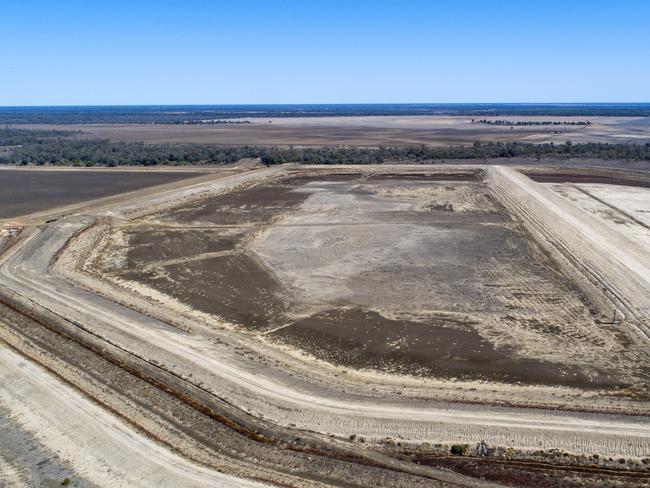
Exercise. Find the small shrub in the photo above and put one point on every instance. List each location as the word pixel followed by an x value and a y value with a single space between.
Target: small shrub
pixel 458 449
pixel 66 482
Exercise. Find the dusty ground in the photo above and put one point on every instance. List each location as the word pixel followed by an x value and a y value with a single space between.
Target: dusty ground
pixel 189 346
pixel 613 265
pixel 397 274
pixel 373 131
pixel 626 210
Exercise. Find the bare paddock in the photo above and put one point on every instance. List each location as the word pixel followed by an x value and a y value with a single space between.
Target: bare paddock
pixel 371 131
pixel 290 325
pixel 403 274
pixel 26 191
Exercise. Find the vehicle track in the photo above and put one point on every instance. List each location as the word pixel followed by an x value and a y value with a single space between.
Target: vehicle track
pixel 75 428
pixel 134 334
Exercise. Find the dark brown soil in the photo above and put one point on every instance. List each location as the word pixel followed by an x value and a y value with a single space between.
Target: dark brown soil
pixel 150 245
pixel 537 475
pixel 26 192
pixel 256 205
pixel 234 287
pixel 587 178
pixel 442 348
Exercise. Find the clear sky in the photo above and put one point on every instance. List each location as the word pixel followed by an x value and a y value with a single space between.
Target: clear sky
pixel 314 51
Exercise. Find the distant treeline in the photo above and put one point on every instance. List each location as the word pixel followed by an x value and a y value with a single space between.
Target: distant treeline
pixel 102 152
pixel 53 149
pixel 531 122
pixel 206 122
pixel 15 137
pixel 477 151
pixel 180 114
pixel 191 122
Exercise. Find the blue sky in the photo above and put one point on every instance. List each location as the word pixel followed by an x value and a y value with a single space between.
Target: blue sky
pixel 199 52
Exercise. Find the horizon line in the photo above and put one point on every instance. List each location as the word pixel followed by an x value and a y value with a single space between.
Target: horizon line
pixel 312 104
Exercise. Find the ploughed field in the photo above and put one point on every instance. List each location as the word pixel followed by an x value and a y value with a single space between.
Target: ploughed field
pixel 424 275
pixel 29 191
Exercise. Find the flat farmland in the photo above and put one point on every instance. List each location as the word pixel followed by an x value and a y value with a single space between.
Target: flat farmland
pixel 26 191
pixel 372 131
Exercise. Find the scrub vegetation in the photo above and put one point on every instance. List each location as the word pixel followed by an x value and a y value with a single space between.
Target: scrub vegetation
pixel 50 147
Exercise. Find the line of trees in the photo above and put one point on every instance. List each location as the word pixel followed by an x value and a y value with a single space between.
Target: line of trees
pixel 531 122
pixel 16 137
pixel 477 151
pixel 102 152
pixel 25 147
pixel 206 122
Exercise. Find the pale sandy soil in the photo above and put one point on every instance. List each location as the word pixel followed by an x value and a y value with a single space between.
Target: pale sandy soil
pixel 380 247
pixel 609 258
pixel 102 449
pixel 625 210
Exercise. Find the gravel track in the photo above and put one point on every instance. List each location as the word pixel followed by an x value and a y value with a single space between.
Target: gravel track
pixel 103 449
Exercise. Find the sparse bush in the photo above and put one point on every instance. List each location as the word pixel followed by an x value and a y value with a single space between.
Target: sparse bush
pixel 458 449
pixel 56 148
pixel 482 449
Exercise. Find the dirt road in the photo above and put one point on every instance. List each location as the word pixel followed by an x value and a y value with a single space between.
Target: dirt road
pixel 101 448
pixel 610 259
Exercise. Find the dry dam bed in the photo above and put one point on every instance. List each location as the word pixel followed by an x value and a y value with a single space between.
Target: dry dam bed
pixel 291 324
pixel 405 274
